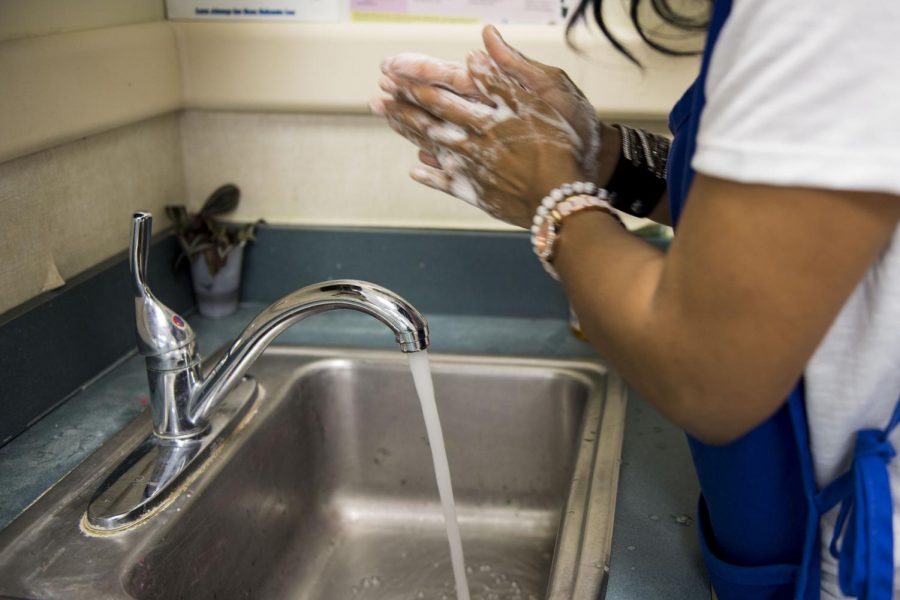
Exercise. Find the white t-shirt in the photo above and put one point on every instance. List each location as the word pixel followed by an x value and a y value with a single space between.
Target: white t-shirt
pixel 807 93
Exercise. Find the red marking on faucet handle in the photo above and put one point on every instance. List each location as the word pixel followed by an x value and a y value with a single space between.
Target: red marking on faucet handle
pixel 178 321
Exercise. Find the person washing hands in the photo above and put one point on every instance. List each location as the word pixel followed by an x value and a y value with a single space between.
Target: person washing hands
pixel 770 330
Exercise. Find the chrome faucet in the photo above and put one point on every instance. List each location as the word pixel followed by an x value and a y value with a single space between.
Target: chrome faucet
pixel 192 413
pixel 180 398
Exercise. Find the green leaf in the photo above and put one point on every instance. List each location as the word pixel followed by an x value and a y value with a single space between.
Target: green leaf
pixel 202 234
pixel 222 201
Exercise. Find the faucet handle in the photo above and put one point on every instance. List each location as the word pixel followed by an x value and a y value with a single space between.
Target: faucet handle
pixel 141 228
pixel 163 336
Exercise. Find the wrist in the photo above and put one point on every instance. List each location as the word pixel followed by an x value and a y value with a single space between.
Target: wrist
pixel 561 175
pixel 610 151
pixel 561 203
pixel 579 228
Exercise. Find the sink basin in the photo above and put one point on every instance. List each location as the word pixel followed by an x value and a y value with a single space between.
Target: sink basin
pixel 327 491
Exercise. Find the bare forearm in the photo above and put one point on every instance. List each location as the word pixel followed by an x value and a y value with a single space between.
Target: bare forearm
pixel 716 332
pixel 703 369
pixel 611 279
pixel 696 367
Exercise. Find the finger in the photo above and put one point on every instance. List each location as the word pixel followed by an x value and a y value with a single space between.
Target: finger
pixel 434 71
pixel 491 81
pixel 408 121
pixel 452 177
pixel 432 177
pixel 448 106
pixel 530 73
pixel 429 159
pixel 388 85
pixel 423 129
pixel 376 105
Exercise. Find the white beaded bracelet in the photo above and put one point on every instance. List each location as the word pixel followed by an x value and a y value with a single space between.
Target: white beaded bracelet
pixel 565 200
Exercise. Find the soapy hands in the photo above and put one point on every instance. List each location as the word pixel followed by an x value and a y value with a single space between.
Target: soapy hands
pixel 499 131
pixel 553 86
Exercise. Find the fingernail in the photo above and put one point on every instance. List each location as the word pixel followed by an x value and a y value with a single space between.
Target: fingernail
pixel 387 84
pixel 386 64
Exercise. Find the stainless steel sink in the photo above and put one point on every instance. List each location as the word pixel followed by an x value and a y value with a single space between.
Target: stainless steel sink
pixel 327 492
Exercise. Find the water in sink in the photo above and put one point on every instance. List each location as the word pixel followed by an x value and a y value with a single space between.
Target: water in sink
pixel 421 372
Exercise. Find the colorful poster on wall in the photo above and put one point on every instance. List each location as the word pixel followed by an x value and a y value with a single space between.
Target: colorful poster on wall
pixel 541 12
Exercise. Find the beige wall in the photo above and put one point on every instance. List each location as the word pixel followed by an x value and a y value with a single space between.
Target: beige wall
pixel 314 169
pixel 29 18
pixel 65 205
pixel 66 209
pixel 68 86
pixel 76 84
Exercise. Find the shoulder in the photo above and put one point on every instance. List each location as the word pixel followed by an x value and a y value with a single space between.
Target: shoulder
pixel 797 89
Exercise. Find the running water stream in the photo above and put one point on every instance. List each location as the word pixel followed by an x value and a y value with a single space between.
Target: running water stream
pixel 421 372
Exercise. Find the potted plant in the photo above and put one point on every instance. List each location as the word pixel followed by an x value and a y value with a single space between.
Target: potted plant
pixel 215 250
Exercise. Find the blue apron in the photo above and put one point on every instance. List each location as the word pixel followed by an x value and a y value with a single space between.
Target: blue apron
pixel 759 509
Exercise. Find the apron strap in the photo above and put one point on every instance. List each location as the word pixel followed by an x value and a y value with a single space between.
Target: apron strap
pixel 863 540
pixel 808 583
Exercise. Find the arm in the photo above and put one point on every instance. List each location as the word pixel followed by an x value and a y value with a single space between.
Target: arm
pixel 717 331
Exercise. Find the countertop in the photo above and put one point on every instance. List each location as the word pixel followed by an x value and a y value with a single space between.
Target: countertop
pixel 655 552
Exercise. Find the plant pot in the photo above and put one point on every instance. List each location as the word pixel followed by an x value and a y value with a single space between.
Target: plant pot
pixel 217 295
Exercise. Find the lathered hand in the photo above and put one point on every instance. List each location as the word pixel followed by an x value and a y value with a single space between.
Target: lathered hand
pixel 553 86
pixel 550 84
pixel 502 153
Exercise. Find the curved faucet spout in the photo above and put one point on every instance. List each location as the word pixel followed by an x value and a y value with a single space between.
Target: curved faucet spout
pixel 409 326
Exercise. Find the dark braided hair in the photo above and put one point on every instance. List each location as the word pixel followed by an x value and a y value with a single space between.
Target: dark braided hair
pixel 686 23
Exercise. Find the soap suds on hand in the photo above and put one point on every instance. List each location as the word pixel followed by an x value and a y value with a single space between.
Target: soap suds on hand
pixel 459 184
pixel 446 133
pixel 486 68
pixel 464 167
pixel 451 75
pixel 456 184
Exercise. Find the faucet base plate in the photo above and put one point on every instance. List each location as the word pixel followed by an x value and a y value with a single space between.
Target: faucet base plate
pixel 159 468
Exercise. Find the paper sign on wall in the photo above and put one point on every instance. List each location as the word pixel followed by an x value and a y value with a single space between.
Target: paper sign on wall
pixel 256 10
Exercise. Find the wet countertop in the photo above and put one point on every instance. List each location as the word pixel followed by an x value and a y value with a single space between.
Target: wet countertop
pixel 655 553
